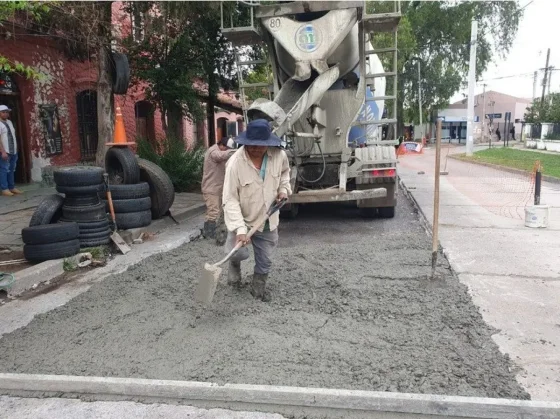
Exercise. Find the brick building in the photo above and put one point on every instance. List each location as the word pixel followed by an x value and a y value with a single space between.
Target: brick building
pixel 56 116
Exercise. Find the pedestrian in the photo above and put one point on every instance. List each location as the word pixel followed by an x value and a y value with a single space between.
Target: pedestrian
pixel 512 132
pixel 498 134
pixel 9 155
pixel 256 176
pixel 213 174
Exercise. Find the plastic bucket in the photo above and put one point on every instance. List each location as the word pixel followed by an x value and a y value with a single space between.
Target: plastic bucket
pixel 536 216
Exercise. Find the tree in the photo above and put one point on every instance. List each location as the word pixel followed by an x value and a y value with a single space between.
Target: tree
pixel 181 43
pixel 547 111
pixel 437 34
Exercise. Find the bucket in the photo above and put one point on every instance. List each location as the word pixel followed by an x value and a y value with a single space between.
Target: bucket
pixel 536 216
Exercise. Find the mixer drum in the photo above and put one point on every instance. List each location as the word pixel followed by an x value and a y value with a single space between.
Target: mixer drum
pixel 346 54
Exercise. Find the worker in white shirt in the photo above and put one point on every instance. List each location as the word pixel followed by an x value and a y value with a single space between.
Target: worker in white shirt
pixel 8 151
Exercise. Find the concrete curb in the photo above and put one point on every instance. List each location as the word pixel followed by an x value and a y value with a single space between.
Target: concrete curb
pixel 296 401
pixel 47 271
pixel 423 219
pixel 507 169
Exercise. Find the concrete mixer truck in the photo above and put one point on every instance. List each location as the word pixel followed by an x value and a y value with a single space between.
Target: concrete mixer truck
pixel 327 98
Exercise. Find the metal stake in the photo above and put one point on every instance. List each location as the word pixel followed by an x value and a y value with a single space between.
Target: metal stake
pixel 436 201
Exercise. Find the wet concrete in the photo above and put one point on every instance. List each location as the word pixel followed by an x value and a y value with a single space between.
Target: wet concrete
pixel 352 308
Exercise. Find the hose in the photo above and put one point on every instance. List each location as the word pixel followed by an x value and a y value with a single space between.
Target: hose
pixel 324 166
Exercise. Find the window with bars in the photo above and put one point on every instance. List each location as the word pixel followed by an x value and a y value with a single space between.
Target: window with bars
pixel 86 103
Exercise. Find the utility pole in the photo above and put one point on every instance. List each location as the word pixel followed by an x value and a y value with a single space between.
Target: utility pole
pixel 545 75
pixel 550 78
pixel 484 112
pixel 535 85
pixel 472 82
pixel 420 101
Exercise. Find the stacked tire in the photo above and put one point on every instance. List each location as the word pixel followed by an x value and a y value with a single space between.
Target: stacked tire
pixel 140 190
pixel 82 205
pixel 50 241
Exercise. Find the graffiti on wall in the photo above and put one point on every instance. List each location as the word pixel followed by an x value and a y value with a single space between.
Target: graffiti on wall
pixel 51 123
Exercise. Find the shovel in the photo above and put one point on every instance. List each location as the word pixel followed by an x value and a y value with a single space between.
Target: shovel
pixel 211 273
pixel 115 237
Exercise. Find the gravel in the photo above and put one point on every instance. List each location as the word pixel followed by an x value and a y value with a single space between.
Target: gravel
pixel 353 308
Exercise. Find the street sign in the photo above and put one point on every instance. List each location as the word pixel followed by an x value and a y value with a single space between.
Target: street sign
pixel 493 115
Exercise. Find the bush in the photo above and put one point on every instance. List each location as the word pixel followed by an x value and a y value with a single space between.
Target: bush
pixel 184 167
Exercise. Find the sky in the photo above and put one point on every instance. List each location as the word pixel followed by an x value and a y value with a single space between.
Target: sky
pixel 538 30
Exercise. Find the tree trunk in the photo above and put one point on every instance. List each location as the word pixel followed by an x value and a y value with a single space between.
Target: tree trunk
pixel 104 87
pixel 175 122
pixel 210 116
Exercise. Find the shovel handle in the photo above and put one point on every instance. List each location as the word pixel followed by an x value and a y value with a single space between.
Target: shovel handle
pixel 111 208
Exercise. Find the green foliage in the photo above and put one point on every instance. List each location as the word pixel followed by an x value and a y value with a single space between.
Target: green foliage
pixel 184 167
pixel 181 43
pixel 547 111
pixel 437 34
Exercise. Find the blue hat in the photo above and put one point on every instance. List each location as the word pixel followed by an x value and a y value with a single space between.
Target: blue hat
pixel 259 133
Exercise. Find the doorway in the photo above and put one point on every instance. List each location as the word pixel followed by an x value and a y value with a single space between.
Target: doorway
pixel 10 96
pixel 145 128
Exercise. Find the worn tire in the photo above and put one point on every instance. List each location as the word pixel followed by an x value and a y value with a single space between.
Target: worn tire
pixel 48 211
pixel 97 235
pixel 140 190
pixel 81 201
pixel 130 205
pixel 122 166
pixel 59 250
pixel 102 241
pixel 84 214
pixel 120 73
pixel 50 233
pixel 89 225
pixel 78 176
pixel 81 190
pixel 162 191
pixel 386 212
pixel 129 220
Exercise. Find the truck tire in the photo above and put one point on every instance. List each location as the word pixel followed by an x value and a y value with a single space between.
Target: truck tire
pixel 97 235
pixel 81 190
pixel 122 166
pixel 81 201
pixel 162 191
pixel 129 220
pixel 386 212
pixel 78 176
pixel 102 241
pixel 50 233
pixel 289 211
pixel 120 74
pixel 48 211
pixel 80 214
pixel 140 190
pixel 59 250
pixel 368 212
pixel 130 205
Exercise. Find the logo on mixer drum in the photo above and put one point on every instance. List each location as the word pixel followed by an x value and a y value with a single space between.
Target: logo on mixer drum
pixel 307 38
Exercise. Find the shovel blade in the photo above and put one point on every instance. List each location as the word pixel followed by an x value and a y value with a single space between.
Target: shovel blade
pixel 120 243
pixel 206 287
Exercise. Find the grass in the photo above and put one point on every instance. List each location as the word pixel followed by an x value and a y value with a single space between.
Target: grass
pixel 518 159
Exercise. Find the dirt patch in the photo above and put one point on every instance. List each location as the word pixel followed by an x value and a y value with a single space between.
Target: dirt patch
pixel 352 309
pixel 12 255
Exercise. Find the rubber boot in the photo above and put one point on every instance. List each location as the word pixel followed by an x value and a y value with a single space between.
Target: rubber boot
pixel 258 287
pixel 210 229
pixel 234 274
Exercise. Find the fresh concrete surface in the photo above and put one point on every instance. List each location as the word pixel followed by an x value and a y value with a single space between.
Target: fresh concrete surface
pixel 29 408
pixel 512 271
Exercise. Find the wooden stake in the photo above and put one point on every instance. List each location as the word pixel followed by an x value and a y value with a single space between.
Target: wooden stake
pixel 435 223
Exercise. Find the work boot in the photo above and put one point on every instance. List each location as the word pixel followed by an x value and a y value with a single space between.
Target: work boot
pixel 258 288
pixel 234 274
pixel 16 191
pixel 210 229
pixel 6 192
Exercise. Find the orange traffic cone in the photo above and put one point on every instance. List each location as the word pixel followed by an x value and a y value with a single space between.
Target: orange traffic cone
pixel 119 136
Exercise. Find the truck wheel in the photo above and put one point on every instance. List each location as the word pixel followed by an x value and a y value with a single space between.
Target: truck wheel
pixel 368 212
pixel 386 212
pixel 290 211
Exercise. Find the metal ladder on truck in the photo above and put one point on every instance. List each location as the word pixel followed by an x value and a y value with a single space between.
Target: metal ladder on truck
pixel 243 36
pixel 380 23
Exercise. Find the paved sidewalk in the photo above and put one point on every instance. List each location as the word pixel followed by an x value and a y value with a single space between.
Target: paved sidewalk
pixel 16 211
pixel 512 272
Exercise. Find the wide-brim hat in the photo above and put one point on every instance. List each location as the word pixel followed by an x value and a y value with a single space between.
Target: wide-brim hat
pixel 259 133
pixel 4 108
